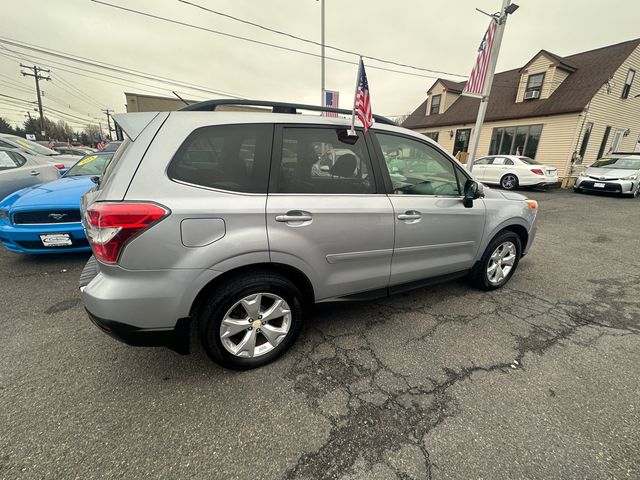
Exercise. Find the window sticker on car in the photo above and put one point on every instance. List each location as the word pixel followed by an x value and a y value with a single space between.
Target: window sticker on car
pixel 84 161
pixel 23 143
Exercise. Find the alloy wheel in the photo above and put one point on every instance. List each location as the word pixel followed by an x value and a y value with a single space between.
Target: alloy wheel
pixel 509 182
pixel 501 263
pixel 255 325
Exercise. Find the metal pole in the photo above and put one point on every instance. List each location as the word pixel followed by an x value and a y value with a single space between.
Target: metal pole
pixel 36 74
pixel 323 97
pixel 484 102
pixel 355 95
pixel 42 131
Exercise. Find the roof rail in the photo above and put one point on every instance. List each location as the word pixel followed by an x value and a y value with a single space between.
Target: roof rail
pixel 276 107
pixel 625 153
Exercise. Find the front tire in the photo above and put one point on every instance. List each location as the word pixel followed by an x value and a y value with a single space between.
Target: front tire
pixel 509 181
pixel 251 320
pixel 498 263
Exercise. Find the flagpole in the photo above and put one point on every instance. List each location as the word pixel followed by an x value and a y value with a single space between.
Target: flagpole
pixel 323 101
pixel 352 132
pixel 484 101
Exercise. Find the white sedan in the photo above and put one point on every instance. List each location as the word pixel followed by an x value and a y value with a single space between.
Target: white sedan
pixel 512 171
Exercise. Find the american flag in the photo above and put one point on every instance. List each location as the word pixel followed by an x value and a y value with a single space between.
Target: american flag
pixel 51 144
pixel 362 105
pixel 331 100
pixel 476 82
pixel 101 146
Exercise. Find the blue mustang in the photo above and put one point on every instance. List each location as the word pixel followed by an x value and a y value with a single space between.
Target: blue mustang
pixel 46 218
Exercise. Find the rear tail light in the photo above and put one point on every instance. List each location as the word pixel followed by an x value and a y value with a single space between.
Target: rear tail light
pixel 110 226
pixel 59 166
pixel 537 171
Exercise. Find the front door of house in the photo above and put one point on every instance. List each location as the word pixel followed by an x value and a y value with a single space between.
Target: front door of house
pixel 461 143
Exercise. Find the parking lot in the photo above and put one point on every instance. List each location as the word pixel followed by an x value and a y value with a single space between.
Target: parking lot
pixel 538 380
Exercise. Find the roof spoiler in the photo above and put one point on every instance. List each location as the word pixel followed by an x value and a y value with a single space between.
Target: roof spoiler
pixel 132 124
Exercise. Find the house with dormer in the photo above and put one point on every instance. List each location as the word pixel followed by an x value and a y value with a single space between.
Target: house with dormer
pixel 563 111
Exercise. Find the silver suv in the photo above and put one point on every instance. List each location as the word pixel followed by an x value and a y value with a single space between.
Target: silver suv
pixel 238 222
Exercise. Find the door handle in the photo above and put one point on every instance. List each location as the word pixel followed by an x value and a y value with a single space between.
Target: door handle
pixel 34 173
pixel 410 215
pixel 294 216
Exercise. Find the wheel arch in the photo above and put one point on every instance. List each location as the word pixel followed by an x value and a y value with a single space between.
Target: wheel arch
pixel 519 230
pixel 293 274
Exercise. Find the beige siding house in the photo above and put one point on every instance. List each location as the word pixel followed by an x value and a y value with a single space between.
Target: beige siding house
pixel 563 111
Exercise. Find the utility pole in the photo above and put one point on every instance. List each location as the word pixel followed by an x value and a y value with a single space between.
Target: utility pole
pixel 322 95
pixel 108 113
pixel 36 74
pixel 501 19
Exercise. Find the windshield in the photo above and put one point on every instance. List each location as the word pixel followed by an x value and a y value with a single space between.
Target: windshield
pixel 90 165
pixel 529 161
pixel 33 146
pixel 626 163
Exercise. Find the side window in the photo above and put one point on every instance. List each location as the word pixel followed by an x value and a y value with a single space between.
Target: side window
pixel 4 144
pixel 499 161
pixel 418 169
pixel 323 161
pixel 7 161
pixel 508 161
pixel 482 161
pixel 227 157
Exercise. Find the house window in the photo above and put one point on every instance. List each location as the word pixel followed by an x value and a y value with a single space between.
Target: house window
pixel 521 140
pixel 627 84
pixel 534 84
pixel 435 104
pixel 585 141
pixel 605 138
pixel 432 135
pixel 461 143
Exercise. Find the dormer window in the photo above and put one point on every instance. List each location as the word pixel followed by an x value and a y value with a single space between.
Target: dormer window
pixel 534 86
pixel 435 104
pixel 627 84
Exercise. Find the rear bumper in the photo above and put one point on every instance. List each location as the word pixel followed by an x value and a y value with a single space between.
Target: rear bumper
pixel 26 238
pixel 176 339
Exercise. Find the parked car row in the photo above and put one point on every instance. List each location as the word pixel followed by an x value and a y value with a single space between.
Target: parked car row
pixel 45 218
pixel 617 173
pixel 34 149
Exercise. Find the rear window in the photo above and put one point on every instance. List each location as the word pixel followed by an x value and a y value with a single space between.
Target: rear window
pixel 529 161
pixel 225 157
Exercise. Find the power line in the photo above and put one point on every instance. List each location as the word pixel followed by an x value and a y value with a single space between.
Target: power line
pixel 16 98
pixel 313 42
pixel 112 67
pixel 56 66
pixel 251 40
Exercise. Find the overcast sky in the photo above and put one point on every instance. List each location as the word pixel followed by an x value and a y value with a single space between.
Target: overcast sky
pixel 439 35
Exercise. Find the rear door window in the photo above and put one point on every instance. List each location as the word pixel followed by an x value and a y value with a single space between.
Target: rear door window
pixel 225 157
pixel 10 160
pixel 323 161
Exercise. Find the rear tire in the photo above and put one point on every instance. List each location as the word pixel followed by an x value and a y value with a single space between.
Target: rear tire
pixel 504 243
pixel 273 309
pixel 509 181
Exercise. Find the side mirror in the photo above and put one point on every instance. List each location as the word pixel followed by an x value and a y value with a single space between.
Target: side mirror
pixel 472 191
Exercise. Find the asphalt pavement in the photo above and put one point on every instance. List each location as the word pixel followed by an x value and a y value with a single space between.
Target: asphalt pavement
pixel 538 380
